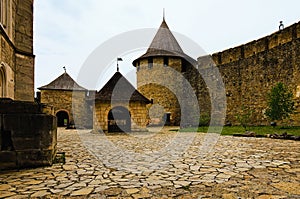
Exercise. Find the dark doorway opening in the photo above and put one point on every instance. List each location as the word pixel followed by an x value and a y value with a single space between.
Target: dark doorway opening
pixel 62 118
pixel 167 119
pixel 119 120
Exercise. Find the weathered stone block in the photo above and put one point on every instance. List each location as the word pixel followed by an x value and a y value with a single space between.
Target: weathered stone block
pixel 8 159
pixel 26 143
pixel 34 158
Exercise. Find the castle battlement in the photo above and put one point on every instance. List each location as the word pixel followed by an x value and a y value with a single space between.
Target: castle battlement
pixel 252 48
pixel 249 71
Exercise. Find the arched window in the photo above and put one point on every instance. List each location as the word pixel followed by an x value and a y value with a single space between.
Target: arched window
pixel 2 83
pixel 6 15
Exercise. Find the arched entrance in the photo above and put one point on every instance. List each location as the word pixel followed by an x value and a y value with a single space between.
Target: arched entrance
pixel 2 83
pixel 119 120
pixel 62 118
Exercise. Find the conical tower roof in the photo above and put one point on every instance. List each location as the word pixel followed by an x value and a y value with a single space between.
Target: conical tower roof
pixel 164 44
pixel 119 88
pixel 63 82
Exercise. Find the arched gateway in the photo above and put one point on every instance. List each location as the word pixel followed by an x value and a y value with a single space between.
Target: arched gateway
pixel 62 118
pixel 119 120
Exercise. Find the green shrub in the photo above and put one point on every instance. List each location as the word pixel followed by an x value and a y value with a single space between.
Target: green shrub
pixel 280 103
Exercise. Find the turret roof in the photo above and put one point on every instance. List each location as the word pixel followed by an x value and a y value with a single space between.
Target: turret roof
pixel 119 88
pixel 63 82
pixel 164 44
pixel 164 41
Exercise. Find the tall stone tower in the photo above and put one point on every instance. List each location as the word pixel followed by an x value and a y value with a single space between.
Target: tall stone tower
pixel 160 74
pixel 16 50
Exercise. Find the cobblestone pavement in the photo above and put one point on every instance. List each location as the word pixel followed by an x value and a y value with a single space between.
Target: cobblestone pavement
pixel 145 165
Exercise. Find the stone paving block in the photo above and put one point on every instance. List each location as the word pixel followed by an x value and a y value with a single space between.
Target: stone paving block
pixel 81 192
pixel 132 191
pixel 4 194
pixel 40 194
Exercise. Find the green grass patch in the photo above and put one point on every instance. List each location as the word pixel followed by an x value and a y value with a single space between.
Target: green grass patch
pixel 259 130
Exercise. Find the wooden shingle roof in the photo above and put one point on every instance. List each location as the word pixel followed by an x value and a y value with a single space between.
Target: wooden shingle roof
pixel 63 82
pixel 164 44
pixel 118 88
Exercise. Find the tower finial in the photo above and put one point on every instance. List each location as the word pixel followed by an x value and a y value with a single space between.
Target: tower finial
pixel 65 69
pixel 163 14
pixel 118 59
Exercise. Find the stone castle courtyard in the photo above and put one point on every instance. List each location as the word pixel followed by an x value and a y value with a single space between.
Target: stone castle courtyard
pixel 141 166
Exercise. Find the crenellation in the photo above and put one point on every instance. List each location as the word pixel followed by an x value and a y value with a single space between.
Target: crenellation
pixel 297 27
pixel 255 47
pixel 273 41
pixel 286 35
pixel 217 58
pixel 261 45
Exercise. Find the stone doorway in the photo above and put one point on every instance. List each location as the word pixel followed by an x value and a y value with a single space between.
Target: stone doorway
pixel 62 118
pixel 119 120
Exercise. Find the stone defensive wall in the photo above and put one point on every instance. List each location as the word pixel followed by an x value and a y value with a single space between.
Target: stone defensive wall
pixel 249 72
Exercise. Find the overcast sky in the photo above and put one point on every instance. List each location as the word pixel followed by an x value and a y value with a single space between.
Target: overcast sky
pixel 66 32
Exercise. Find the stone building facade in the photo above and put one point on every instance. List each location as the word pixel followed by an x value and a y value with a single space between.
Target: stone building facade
pixel 119 107
pixel 16 50
pixel 27 135
pixel 68 102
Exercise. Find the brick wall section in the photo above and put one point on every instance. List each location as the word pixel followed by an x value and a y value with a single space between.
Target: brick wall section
pixel 250 71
